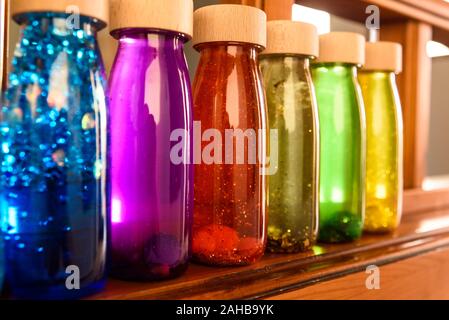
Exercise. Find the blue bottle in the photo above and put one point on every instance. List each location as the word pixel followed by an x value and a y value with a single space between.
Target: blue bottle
pixel 2 262
pixel 54 152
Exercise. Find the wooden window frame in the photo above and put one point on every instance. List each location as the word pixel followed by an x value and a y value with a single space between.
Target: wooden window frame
pixel 4 27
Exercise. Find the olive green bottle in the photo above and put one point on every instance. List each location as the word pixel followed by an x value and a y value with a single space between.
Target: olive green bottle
pixel 293 113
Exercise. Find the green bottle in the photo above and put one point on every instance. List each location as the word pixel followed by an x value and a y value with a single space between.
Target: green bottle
pixel 343 136
pixel 293 113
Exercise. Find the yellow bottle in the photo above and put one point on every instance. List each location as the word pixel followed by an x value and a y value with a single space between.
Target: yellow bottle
pixel 384 179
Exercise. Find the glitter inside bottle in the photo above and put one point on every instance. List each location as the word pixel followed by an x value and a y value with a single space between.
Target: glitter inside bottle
pixel 292 109
pixel 151 122
pixel 384 136
pixel 54 159
pixel 343 135
pixel 2 260
pixel 230 186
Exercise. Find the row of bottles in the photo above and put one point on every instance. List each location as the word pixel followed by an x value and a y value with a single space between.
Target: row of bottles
pixel 151 171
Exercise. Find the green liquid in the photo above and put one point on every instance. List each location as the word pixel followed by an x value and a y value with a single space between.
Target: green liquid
pixel 343 152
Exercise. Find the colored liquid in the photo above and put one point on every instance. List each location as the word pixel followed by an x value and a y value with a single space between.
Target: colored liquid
pixel 230 194
pixel 152 195
pixel 293 189
pixel 384 177
pixel 2 262
pixel 53 140
pixel 343 135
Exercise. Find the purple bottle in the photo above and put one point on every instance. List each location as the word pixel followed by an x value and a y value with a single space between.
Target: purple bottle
pixel 150 136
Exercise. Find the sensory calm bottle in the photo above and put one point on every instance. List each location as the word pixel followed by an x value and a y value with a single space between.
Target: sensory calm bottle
pixel 384 179
pixel 293 113
pixel 342 136
pixel 151 122
pixel 54 152
pixel 230 112
pixel 2 261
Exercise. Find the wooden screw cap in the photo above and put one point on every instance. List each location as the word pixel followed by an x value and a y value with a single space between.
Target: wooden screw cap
pixel 98 9
pixel 289 37
pixel 230 23
pixel 383 56
pixel 170 15
pixel 343 47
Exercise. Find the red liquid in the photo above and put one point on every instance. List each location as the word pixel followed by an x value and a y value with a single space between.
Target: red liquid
pixel 230 199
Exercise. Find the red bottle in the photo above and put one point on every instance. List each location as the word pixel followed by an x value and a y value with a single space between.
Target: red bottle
pixel 229 107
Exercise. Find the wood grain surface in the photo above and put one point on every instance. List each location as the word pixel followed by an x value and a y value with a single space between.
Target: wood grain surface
pixel 423 277
pixel 419 234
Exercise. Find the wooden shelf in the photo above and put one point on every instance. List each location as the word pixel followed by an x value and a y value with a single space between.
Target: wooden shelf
pixel 276 275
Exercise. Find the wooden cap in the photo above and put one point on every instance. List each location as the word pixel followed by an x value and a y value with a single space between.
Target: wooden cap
pixel 98 9
pixel 289 37
pixel 171 15
pixel 343 47
pixel 383 56
pixel 230 23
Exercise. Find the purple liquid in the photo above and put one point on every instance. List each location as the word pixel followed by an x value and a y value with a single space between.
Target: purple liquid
pixel 152 197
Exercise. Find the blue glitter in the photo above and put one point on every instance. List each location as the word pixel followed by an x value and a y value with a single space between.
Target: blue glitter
pixel 2 260
pixel 80 34
pixel 52 192
pixel 5 147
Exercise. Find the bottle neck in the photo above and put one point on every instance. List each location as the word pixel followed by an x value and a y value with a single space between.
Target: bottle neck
pixel 59 25
pixel 299 60
pixel 378 75
pixel 157 42
pixel 339 69
pixel 233 51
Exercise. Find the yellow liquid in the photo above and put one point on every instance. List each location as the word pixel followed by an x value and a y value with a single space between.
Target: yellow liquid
pixel 384 176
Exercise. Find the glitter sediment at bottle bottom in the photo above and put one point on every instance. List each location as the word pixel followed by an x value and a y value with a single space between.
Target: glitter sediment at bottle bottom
pixel 232 230
pixel 2 262
pixel 223 246
pixel 160 257
pixel 381 215
pixel 45 237
pixel 340 226
pixel 282 240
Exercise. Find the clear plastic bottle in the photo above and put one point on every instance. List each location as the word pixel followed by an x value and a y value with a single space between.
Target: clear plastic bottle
pixel 150 100
pixel 384 179
pixel 293 112
pixel 229 106
pixel 54 153
pixel 343 136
